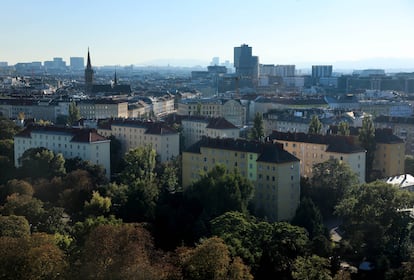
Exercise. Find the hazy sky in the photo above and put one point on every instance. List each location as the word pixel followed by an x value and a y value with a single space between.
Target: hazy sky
pixel 126 32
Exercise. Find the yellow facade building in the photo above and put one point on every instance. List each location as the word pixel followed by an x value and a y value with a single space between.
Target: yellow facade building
pixel 389 154
pixel 312 149
pixel 273 171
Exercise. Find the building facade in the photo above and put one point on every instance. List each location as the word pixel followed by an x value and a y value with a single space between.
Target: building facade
pixel 230 109
pixel 403 127
pixel 86 144
pixel 273 171
pixel 135 133
pixel 313 149
pixel 194 128
pixel 389 157
pixel 103 108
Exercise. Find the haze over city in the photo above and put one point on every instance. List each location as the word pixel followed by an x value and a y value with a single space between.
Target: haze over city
pixel 342 33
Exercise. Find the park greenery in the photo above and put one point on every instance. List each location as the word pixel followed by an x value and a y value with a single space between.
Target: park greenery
pixel 63 219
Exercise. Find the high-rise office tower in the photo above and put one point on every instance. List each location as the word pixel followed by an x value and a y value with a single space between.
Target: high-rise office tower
pixel 77 63
pixel 285 70
pixel 88 75
pixel 247 65
pixel 319 71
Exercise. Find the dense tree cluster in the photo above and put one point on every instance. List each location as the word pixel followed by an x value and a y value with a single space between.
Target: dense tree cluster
pixel 66 220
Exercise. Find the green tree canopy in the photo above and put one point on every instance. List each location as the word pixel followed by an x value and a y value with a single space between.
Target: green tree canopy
pixel 21 187
pixel 143 191
pixel 120 252
pixel 41 163
pixel 34 257
pixel 329 182
pixel 367 139
pixel 409 164
pixel 244 236
pixel 24 205
pixel 219 192
pixel 315 125
pixel 8 128
pixel 98 205
pixel 309 216
pixel 14 226
pixel 211 260
pixel 74 114
pixel 257 131
pixel 373 222
pixel 311 268
pixel 343 128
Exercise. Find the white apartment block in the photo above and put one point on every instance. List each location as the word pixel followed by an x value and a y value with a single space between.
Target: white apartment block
pixel 86 144
pixel 136 133
pixel 194 128
pixel 102 109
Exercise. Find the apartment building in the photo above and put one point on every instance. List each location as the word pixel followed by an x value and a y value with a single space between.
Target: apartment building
pixel 103 108
pixel 84 143
pixel 273 171
pixel 312 149
pixel 230 109
pixel 403 127
pixel 194 128
pixel 137 133
pixel 389 154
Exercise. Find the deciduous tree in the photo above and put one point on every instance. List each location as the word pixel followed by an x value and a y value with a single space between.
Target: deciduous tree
pixel 311 268
pixel 373 222
pixel 329 182
pixel 41 163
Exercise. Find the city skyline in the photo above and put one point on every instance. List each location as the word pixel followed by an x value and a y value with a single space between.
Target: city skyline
pixel 167 32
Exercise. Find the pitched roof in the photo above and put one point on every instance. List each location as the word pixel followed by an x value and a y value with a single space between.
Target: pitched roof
pixel 220 123
pixel 86 135
pixel 159 128
pixel 385 135
pixel 335 143
pixel 390 119
pixel 111 88
pixel 268 152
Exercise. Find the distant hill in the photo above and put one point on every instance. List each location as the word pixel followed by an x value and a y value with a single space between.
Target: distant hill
pixel 390 65
pixel 176 62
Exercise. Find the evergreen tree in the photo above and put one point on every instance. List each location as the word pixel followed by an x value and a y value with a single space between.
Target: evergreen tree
pixel 257 131
pixel 343 128
pixel 74 114
pixel 367 139
pixel 315 125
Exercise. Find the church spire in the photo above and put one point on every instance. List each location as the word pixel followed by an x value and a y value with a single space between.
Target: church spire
pixel 88 64
pixel 115 79
pixel 88 75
